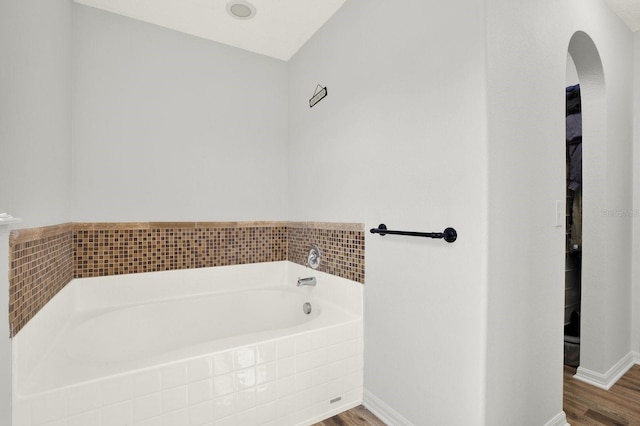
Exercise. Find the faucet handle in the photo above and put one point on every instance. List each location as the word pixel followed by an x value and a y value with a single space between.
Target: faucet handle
pixel 313 260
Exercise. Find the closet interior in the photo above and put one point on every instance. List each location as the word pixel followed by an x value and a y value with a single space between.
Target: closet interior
pixel 573 246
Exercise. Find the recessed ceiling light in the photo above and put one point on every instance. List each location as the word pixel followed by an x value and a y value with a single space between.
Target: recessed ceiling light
pixel 241 9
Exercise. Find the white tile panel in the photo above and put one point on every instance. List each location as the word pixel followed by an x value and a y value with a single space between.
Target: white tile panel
pixel 200 391
pixel 117 390
pixel 56 423
pixel 156 421
pixel 199 369
pixel 245 378
pixel 286 367
pixel 318 339
pixel 174 375
pixel 285 406
pixel 224 407
pixel 174 399
pixel 336 370
pixel 49 407
pixel 350 348
pixel 91 418
pixel 246 399
pixel 266 373
pixel 147 407
pixel 310 360
pixel 286 347
pixel 222 363
pixel 223 385
pixel 265 352
pixel 303 343
pixel 176 418
pixel 200 414
pixel 304 380
pixel 228 421
pixel 335 353
pixel 286 387
pixel 21 411
pixel 84 399
pixel 266 392
pixel 117 415
pixel 146 383
pixel 244 357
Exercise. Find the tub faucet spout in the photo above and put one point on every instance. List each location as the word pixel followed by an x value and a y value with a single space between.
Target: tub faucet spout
pixel 307 281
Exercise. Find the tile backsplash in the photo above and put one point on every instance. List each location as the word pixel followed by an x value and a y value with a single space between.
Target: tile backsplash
pixel 123 248
pixel 40 265
pixel 341 244
pixel 44 260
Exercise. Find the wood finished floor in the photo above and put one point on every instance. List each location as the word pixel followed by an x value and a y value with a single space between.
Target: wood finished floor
pixel 589 406
pixel 358 416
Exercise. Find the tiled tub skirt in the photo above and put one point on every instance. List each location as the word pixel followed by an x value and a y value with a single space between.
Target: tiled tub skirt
pixel 288 381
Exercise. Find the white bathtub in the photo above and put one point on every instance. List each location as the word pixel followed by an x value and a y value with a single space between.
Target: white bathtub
pixel 215 346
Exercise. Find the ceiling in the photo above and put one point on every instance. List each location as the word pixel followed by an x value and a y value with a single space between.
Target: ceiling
pixel 278 29
pixel 628 11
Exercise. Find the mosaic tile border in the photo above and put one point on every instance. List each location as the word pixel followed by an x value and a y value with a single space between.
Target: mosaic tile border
pixel 40 265
pixel 43 260
pixel 341 244
pixel 113 249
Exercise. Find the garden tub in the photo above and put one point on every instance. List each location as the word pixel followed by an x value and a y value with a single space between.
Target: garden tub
pixel 219 346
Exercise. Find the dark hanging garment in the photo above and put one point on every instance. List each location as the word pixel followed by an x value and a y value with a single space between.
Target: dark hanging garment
pixel 574 148
pixel 575 164
pixel 574 126
pixel 576 226
pixel 574 136
pixel 573 100
pixel 574 151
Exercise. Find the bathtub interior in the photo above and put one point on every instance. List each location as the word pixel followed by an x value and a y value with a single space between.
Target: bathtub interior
pixel 112 336
pixel 295 375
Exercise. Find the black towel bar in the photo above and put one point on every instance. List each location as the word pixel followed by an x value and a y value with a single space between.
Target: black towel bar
pixel 449 234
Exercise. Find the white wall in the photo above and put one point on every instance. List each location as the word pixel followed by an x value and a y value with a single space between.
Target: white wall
pixel 35 110
pixel 170 127
pixel 400 139
pixel 635 328
pixel 35 134
pixel 527 59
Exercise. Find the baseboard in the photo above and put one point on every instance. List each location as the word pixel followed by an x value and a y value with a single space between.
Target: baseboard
pixel 385 413
pixel 605 381
pixel 391 417
pixel 559 420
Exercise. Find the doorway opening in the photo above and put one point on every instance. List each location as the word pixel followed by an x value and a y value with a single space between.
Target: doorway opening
pixel 588 72
pixel 573 240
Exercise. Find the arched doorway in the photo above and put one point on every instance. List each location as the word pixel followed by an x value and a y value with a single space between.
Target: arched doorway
pixel 588 64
